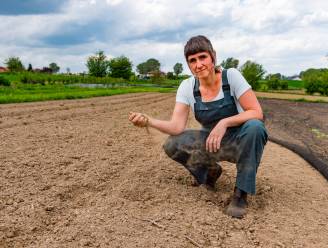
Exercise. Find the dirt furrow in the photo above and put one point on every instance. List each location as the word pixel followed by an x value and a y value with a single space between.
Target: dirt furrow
pixel 86 111
pixel 75 104
pixel 96 180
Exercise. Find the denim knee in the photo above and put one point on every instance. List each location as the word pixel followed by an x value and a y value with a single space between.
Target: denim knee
pixel 172 148
pixel 255 128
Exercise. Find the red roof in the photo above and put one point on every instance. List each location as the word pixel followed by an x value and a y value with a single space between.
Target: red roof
pixel 3 69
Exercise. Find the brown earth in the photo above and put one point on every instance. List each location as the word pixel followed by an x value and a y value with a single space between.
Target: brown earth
pixel 78 174
pixel 304 124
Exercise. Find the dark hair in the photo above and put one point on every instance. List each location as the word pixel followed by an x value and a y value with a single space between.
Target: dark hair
pixel 199 44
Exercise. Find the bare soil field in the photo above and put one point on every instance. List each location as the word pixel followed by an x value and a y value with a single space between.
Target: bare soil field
pixel 76 173
pixel 302 126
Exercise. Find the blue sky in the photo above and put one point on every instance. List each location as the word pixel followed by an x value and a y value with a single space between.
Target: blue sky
pixel 285 36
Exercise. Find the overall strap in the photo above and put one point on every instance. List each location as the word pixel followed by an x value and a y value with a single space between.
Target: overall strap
pixel 226 87
pixel 196 91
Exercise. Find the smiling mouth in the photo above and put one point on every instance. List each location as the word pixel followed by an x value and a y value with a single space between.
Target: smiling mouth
pixel 201 70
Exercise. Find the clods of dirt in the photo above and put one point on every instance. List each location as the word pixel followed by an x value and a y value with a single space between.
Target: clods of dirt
pixel 78 174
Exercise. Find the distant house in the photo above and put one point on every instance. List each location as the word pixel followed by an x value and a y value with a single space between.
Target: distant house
pixel 295 77
pixel 152 74
pixel 43 70
pixel 3 69
pixel 155 73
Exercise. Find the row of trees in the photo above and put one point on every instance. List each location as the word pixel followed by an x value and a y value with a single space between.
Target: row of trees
pixel 15 64
pixel 316 80
pixel 99 66
pixel 121 67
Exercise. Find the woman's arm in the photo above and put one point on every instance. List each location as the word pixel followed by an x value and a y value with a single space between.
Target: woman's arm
pixel 252 110
pixel 175 126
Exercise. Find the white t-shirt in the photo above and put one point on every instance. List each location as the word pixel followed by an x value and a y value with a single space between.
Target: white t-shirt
pixel 238 86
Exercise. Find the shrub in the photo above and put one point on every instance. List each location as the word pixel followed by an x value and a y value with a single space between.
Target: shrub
pixel 311 87
pixel 273 84
pixel 316 80
pixel 4 81
pixel 283 84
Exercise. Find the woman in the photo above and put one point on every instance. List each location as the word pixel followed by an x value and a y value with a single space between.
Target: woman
pixel 231 117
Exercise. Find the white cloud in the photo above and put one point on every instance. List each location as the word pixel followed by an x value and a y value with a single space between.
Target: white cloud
pixel 285 36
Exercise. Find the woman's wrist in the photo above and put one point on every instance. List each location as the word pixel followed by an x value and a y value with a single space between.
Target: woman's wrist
pixel 224 122
pixel 150 121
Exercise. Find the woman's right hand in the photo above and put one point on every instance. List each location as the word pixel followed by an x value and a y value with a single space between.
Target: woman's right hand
pixel 139 119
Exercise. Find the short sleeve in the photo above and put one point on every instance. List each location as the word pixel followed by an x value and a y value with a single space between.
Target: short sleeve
pixel 237 82
pixel 182 95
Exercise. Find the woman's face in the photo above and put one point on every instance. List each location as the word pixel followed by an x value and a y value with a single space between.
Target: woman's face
pixel 201 64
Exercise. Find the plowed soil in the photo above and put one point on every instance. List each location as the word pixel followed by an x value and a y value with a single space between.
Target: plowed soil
pixel 76 173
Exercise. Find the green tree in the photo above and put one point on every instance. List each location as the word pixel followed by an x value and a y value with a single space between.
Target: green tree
pixel 170 75
pixel 54 67
pixel 120 67
pixel 252 72
pixel 151 65
pixel 142 68
pixel 98 64
pixel 230 63
pixel 178 68
pixel 14 64
pixel 29 68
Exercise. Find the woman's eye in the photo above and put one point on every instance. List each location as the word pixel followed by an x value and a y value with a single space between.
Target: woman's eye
pixel 203 57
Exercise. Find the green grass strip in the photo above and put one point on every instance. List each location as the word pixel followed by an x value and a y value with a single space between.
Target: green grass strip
pixel 45 93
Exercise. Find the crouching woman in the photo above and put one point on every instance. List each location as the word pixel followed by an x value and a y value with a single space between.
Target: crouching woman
pixel 232 124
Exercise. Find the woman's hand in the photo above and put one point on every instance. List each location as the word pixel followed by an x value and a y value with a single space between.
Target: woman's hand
pixel 213 141
pixel 139 119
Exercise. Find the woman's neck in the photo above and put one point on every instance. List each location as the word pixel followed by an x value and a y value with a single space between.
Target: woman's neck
pixel 212 81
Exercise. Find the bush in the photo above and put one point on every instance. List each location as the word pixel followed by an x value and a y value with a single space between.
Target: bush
pixel 311 87
pixel 4 81
pixel 253 73
pixel 276 84
pixel 316 81
pixel 283 84
pixel 273 84
pixel 323 88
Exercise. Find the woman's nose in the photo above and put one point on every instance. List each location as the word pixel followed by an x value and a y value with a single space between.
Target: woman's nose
pixel 199 64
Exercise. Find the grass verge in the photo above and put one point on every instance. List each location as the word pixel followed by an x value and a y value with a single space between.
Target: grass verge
pixel 32 93
pixel 293 97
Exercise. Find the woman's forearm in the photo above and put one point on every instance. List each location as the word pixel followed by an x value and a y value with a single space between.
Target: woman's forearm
pixel 241 118
pixel 168 127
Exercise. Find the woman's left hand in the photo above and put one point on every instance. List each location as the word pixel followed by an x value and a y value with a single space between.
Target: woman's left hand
pixel 213 141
